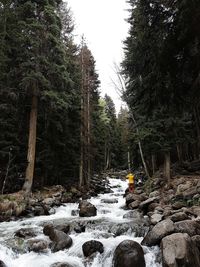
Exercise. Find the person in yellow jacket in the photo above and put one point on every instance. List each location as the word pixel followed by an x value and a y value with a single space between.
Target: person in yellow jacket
pixel 130 178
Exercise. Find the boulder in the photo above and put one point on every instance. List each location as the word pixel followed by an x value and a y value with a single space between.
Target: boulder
pixel 134 205
pixel 2 264
pixel 59 238
pixel 129 254
pixel 179 216
pixel 179 250
pixel 190 227
pixel 160 230
pixel 196 240
pixel 87 209
pixel 155 218
pixel 131 198
pixel 37 245
pixel 91 247
pixel 144 204
pixel 63 227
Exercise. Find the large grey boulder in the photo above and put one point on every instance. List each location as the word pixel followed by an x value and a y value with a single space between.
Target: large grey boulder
pixel 59 238
pixel 91 247
pixel 160 230
pixel 179 250
pixel 129 254
pixel 190 227
pixel 87 209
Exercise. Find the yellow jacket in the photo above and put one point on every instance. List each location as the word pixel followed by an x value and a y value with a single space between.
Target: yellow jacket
pixel 130 178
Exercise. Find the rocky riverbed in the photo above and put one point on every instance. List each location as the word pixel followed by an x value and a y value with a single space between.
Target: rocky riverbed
pixel 97 232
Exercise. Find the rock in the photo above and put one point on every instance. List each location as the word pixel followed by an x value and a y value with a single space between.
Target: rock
pixel 196 240
pixel 59 238
pixel 190 227
pixel 25 233
pixel 87 209
pixel 128 254
pixel 119 229
pixel 178 205
pixel 109 201
pixel 154 194
pixel 131 198
pixel 179 250
pixel 144 205
pixel 61 264
pixel 74 212
pixel 152 206
pixel 48 201
pixel 134 214
pixel 179 216
pixel 134 205
pixel 79 228
pixel 160 230
pixel 91 247
pixel 63 227
pixel 155 218
pixel 37 245
pixel 196 210
pixel 2 264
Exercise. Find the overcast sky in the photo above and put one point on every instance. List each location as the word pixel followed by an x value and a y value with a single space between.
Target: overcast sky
pixel 103 24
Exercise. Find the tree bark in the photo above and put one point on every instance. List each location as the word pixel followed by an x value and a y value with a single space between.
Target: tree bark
pixel 31 146
pixel 167 164
pixel 153 161
pixel 129 159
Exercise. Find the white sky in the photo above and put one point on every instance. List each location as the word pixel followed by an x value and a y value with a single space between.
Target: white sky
pixel 102 22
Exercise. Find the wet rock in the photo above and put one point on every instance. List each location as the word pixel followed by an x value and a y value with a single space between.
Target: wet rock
pixel 179 216
pixel 59 238
pixel 2 264
pixel 79 228
pixel 87 209
pixel 128 254
pixel 63 227
pixel 25 233
pixel 159 231
pixel 74 212
pixel 109 201
pixel 91 247
pixel 48 201
pixel 178 205
pixel 134 214
pixel 179 250
pixel 37 245
pixel 61 264
pixel 190 227
pixel 119 229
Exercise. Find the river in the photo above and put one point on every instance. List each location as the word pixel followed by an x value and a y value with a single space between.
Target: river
pixel 96 228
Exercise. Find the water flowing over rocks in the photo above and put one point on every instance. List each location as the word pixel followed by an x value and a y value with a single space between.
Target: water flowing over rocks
pixel 129 254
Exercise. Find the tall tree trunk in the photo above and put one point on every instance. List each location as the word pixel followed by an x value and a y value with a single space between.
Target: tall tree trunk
pixel 31 146
pixel 88 134
pixel 153 161
pixel 167 164
pixel 129 159
pixel 179 152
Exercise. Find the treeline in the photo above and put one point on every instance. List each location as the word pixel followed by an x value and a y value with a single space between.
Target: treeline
pixel 161 70
pixel 54 127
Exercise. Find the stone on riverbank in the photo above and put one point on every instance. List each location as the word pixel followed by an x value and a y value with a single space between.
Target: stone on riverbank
pixel 179 250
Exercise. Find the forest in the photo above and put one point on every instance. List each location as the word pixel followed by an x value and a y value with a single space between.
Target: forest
pixel 55 126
